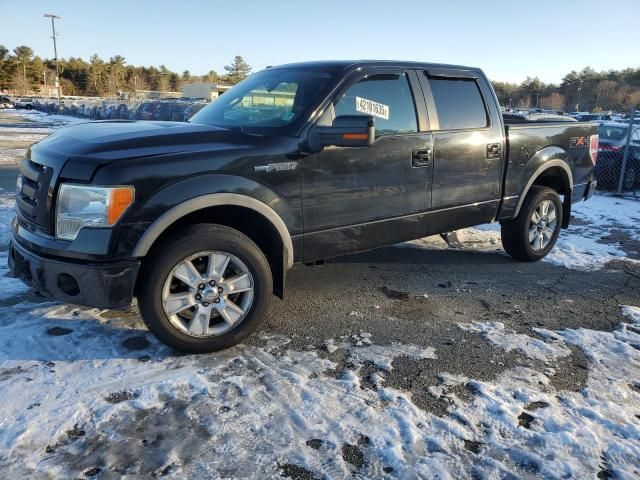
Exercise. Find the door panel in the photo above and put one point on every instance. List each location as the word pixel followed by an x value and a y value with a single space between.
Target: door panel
pixel 359 198
pixel 468 149
pixel 462 172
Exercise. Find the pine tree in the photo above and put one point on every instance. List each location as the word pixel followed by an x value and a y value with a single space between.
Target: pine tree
pixel 237 71
pixel 96 75
pixel 5 67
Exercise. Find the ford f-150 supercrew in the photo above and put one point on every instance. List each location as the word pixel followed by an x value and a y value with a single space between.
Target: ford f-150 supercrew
pixel 200 221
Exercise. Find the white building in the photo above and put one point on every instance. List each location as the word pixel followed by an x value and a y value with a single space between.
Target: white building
pixel 208 91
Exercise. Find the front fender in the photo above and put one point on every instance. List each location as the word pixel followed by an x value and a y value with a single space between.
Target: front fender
pixel 189 195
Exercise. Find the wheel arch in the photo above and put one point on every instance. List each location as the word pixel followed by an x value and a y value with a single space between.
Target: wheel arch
pixel 554 173
pixel 250 216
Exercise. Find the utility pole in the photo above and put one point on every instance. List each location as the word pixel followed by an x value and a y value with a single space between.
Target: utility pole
pixel 579 92
pixel 627 150
pixel 55 53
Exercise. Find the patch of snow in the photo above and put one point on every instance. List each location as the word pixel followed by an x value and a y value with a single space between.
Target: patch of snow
pixel 9 287
pixel 382 356
pixel 508 340
pixel 632 312
pixel 10 156
pixel 53 119
pixel 331 346
pixel 7 212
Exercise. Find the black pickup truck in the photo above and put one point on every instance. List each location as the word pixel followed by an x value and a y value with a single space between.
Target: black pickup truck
pixel 200 221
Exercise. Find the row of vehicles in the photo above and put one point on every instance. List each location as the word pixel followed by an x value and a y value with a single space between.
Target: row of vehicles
pixel 162 110
pixel 578 116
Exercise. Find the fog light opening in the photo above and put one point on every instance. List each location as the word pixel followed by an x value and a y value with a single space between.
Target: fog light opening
pixel 68 284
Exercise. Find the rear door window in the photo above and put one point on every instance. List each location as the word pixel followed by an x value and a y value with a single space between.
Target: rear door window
pixel 385 96
pixel 458 102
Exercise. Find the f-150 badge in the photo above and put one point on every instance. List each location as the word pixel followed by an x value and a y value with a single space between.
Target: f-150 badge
pixel 276 167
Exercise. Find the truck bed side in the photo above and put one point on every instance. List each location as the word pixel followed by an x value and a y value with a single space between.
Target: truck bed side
pixel 552 154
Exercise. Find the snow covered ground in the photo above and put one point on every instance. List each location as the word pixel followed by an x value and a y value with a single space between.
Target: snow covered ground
pixel 89 393
pixel 21 128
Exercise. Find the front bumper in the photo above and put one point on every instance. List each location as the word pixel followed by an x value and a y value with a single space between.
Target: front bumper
pixel 102 285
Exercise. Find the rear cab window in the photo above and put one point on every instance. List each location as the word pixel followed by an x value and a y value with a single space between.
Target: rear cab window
pixel 458 103
pixel 387 97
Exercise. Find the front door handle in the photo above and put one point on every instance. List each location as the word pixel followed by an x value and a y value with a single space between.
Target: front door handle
pixel 421 158
pixel 494 150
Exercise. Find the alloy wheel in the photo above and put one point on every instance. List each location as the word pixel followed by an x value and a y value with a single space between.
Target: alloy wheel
pixel 542 225
pixel 208 293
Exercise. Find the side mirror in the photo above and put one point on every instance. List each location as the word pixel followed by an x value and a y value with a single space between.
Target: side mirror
pixel 346 131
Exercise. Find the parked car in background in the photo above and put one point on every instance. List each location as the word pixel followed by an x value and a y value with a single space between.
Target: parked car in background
pixel 147 111
pixel 25 103
pixel 122 112
pixel 5 102
pixel 536 117
pixel 170 111
pixel 613 138
pixel 593 117
pixel 192 110
pixel 112 112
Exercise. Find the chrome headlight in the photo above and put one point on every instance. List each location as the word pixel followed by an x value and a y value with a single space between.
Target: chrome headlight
pixel 81 206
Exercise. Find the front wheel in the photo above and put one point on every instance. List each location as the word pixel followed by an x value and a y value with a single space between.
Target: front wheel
pixel 205 289
pixel 533 233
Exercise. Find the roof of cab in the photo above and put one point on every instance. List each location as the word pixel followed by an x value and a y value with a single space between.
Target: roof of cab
pixel 341 65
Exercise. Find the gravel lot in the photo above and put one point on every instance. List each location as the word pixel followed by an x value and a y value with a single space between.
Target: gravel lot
pixel 410 361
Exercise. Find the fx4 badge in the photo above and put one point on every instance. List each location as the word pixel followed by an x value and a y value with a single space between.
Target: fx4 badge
pixel 276 167
pixel 578 142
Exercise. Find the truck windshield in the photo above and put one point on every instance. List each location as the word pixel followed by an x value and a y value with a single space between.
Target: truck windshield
pixel 268 101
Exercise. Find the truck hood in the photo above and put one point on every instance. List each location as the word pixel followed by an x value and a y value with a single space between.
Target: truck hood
pixel 90 145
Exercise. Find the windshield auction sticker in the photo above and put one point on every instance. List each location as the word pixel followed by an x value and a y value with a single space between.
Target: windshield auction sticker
pixel 372 108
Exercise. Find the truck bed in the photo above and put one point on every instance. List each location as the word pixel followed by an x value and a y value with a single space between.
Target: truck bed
pixel 530 142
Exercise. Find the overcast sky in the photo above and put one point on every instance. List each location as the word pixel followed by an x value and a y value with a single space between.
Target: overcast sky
pixel 508 39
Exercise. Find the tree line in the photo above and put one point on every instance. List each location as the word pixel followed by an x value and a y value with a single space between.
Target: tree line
pixel 586 90
pixel 23 71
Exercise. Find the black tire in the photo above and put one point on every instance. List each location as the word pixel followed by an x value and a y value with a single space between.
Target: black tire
pixel 163 259
pixel 515 233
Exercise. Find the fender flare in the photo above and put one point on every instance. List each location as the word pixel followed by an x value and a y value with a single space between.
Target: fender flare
pixel 214 200
pixel 539 171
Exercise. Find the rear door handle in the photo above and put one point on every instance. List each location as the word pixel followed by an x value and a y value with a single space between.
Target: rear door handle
pixel 421 158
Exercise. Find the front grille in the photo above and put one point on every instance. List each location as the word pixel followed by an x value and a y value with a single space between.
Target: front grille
pixel 34 198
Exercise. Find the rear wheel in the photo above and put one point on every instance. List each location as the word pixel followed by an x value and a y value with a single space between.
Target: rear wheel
pixel 206 289
pixel 533 233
